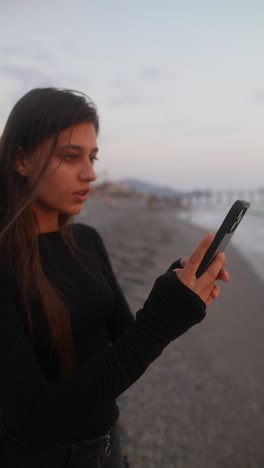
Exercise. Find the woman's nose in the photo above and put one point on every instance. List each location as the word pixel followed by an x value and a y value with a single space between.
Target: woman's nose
pixel 88 173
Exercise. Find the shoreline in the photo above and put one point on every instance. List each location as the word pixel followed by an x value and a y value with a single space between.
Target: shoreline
pixel 248 240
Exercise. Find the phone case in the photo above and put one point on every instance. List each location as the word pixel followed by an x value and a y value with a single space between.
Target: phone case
pixel 224 233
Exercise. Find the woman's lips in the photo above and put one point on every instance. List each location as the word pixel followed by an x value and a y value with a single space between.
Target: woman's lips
pixel 81 197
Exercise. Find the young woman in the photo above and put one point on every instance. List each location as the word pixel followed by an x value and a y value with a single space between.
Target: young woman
pixel 69 345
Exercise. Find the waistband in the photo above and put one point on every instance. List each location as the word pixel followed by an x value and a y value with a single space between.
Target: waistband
pixel 105 438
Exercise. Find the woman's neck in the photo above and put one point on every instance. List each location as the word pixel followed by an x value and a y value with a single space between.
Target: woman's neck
pixel 45 222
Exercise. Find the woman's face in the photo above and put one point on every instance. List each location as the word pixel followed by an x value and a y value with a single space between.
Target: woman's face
pixel 70 170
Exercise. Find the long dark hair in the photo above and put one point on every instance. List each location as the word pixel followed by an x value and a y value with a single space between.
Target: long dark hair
pixel 40 114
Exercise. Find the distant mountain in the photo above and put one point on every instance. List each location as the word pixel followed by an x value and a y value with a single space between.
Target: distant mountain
pixel 145 187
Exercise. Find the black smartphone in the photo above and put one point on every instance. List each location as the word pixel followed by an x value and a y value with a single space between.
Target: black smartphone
pixel 224 233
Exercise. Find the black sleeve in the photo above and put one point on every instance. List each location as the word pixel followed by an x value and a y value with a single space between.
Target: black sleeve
pixel 174 265
pixel 37 410
pixel 122 316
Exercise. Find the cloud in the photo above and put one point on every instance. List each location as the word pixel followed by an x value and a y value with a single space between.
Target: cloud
pixel 16 81
pixel 128 91
pixel 27 66
pixel 152 73
pixel 25 74
pixel 25 50
pixel 129 99
pixel 128 95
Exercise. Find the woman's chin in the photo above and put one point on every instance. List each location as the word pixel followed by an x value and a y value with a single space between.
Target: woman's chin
pixel 71 211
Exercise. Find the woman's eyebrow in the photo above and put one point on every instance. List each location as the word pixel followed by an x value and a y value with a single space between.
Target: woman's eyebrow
pixel 76 147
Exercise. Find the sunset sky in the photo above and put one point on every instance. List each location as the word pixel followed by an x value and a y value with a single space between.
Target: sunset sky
pixel 179 85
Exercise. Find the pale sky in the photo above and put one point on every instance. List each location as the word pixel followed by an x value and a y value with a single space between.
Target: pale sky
pixel 179 85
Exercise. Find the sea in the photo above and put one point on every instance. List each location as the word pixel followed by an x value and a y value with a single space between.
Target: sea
pixel 249 236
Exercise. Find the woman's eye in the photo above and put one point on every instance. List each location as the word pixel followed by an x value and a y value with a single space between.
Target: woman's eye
pixel 93 159
pixel 71 157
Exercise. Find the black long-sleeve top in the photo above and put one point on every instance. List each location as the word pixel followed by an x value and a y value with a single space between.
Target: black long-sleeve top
pixel 113 349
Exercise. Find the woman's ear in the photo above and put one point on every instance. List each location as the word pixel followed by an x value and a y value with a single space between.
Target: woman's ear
pixel 21 162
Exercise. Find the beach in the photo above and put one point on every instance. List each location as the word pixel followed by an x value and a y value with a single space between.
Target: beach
pixel 201 404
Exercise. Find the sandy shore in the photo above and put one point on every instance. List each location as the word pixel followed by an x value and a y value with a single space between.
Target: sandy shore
pixel 201 404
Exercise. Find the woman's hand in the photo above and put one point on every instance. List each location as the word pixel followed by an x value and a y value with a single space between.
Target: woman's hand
pixel 204 286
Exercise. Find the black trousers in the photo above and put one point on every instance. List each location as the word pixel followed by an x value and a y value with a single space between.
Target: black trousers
pixel 102 453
